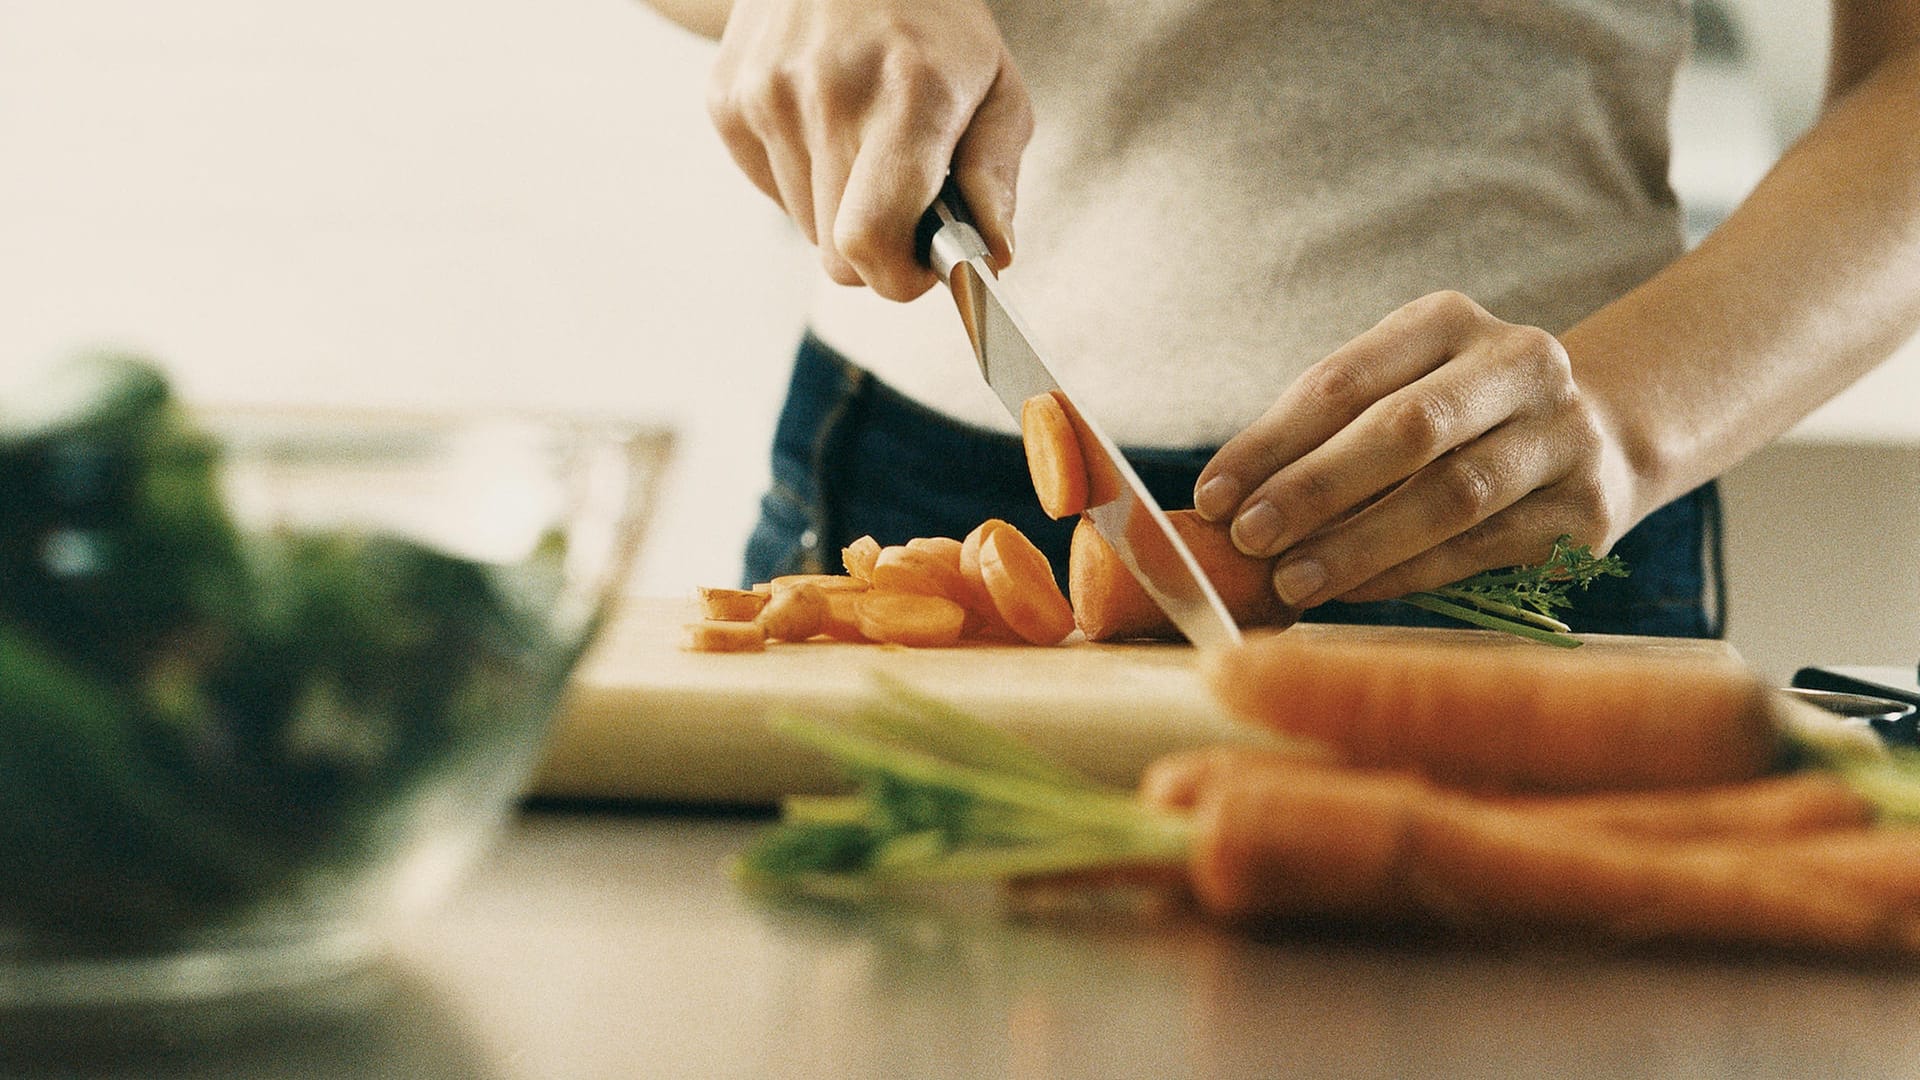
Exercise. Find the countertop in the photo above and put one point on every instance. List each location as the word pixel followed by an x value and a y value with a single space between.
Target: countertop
pixel 607 942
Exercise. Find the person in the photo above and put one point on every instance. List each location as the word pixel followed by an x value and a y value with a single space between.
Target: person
pixel 1397 289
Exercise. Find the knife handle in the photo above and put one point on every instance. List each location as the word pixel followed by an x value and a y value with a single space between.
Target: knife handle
pixel 946 235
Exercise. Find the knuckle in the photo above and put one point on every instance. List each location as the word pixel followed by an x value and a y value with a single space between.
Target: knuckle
pixel 861 238
pixel 1588 496
pixel 1332 387
pixel 1422 423
pixel 909 67
pixel 1449 307
pixel 1544 360
pixel 765 103
pixel 839 269
pixel 1312 488
pixel 1467 488
pixel 1584 436
pixel 1540 347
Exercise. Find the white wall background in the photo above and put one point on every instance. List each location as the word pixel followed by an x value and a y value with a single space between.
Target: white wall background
pixel 482 202
pixel 434 202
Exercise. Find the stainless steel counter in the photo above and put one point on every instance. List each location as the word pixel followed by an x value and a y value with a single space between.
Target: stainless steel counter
pixel 610 944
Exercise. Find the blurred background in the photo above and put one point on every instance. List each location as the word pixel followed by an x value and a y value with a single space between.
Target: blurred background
pixel 486 202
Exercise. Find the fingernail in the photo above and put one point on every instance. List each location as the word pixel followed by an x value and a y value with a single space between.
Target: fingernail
pixel 1256 529
pixel 1299 582
pixel 1217 497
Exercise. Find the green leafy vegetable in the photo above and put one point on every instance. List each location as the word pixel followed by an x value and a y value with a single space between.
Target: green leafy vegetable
pixel 1522 599
pixel 195 721
pixel 943 797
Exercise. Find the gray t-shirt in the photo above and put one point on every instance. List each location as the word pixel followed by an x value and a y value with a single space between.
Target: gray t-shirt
pixel 1220 192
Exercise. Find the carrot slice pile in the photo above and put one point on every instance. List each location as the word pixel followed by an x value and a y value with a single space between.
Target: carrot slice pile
pixel 930 592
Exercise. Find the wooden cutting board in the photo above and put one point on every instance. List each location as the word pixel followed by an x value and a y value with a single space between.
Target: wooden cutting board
pixel 646 720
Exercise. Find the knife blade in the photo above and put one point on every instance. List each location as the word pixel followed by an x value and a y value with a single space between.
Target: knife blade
pixel 1126 514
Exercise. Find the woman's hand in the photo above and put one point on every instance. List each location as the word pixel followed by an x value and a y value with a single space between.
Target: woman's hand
pixel 1439 443
pixel 849 113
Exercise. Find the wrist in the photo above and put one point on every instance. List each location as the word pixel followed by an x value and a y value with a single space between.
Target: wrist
pixel 1641 464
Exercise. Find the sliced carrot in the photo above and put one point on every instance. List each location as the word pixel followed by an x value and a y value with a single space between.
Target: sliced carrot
pixel 1485 710
pixel 858 558
pixel 829 582
pixel 1109 605
pixel 945 547
pixel 795 613
pixel 905 618
pixel 1019 580
pixel 731 605
pixel 842 621
pixel 1054 459
pixel 713 635
pixel 931 570
pixel 1103 479
pixel 985 622
pixel 970 562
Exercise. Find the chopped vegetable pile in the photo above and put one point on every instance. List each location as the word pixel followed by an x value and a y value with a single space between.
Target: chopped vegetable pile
pixel 195 721
pixel 933 591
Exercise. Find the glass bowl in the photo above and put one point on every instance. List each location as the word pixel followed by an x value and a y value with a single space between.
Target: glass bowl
pixel 269 679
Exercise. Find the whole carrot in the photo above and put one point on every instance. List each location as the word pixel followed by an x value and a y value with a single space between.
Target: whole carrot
pixel 1481 710
pixel 1109 605
pixel 1767 808
pixel 1371 845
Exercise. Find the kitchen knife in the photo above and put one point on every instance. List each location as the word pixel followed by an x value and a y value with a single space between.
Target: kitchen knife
pixel 1124 513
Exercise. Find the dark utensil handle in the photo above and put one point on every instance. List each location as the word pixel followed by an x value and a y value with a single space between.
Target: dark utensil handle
pixel 948 209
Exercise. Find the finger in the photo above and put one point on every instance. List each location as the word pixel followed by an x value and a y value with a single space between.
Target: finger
pixel 1455 493
pixel 1513 537
pixel 901 163
pixel 986 162
pixel 1391 440
pixel 741 143
pixel 772 118
pixel 793 176
pixel 1331 394
pixel 832 163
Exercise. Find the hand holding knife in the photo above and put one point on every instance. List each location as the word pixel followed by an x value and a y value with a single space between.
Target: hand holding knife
pixel 1129 519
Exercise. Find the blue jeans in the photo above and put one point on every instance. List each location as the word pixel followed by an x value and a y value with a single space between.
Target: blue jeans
pixel 852 456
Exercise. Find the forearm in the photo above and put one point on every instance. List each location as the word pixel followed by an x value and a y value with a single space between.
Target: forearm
pixel 1810 284
pixel 704 17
